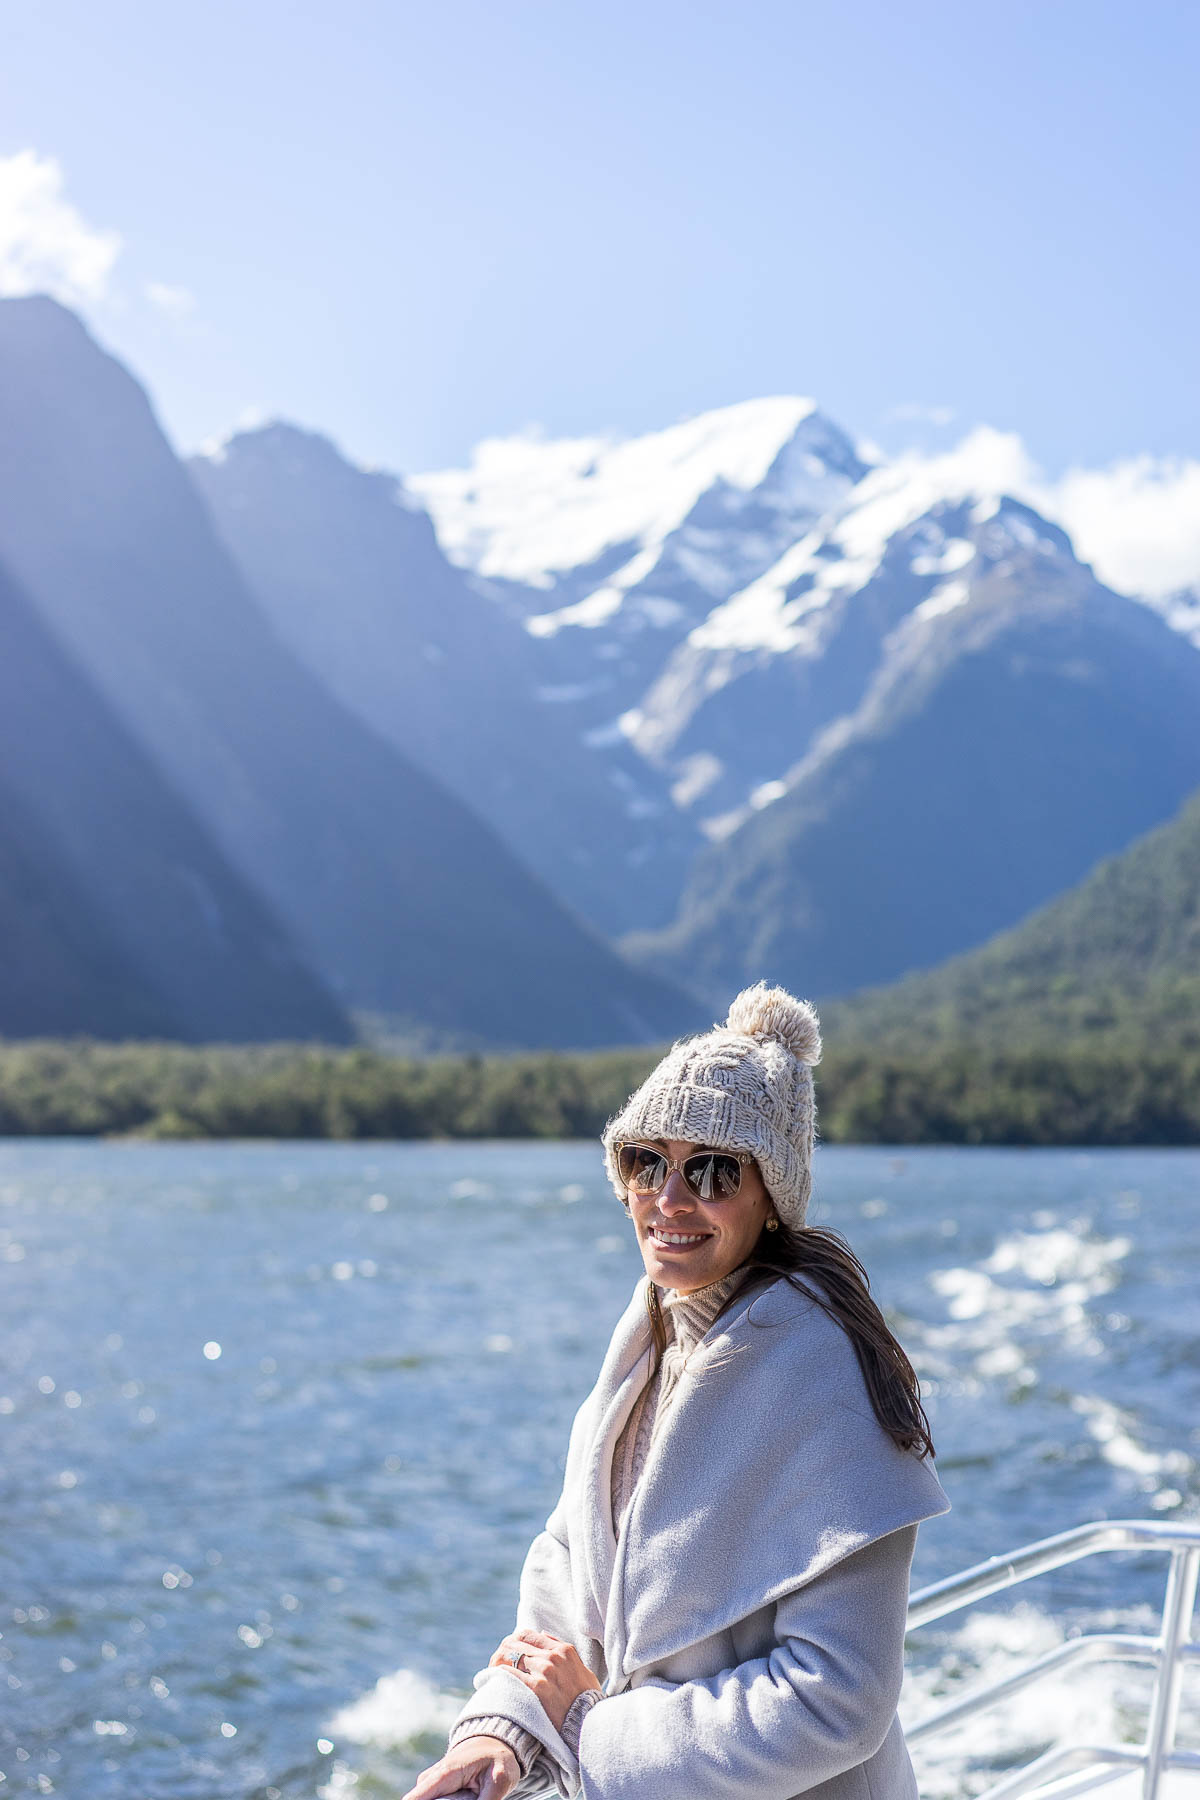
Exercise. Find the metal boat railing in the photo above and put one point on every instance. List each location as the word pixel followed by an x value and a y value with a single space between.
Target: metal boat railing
pixel 1076 1768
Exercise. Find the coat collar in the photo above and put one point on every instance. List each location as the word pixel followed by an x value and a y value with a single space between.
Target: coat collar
pixel 770 1468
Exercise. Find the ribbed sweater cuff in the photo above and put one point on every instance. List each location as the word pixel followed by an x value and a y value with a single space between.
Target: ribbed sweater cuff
pixel 577 1712
pixel 524 1746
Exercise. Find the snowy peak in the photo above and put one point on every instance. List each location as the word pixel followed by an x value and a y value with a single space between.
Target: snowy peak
pixel 749 552
pixel 897 510
pixel 537 511
pixel 851 621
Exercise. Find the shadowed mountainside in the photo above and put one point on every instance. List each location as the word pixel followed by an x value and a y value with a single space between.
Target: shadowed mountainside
pixel 346 565
pixel 133 899
pixel 403 900
pixel 1115 964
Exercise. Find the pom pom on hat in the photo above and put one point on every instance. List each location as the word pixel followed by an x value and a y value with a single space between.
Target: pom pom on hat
pixel 771 1012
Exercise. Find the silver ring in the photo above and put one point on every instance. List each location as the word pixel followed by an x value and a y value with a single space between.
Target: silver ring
pixel 518 1661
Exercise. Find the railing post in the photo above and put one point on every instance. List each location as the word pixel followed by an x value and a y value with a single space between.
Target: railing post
pixel 1178 1604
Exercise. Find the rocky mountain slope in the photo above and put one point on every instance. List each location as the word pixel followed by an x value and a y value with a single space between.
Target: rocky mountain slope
pixel 919 719
pixel 1019 723
pixel 614 554
pixel 346 564
pixel 404 901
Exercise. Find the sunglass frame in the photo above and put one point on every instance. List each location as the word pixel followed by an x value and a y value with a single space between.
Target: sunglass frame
pixel 742 1157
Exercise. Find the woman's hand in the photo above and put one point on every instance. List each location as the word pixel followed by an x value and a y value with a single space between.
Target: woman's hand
pixel 484 1766
pixel 553 1669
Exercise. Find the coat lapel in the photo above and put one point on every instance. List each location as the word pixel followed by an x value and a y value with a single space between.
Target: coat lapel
pixel 625 1372
pixel 770 1468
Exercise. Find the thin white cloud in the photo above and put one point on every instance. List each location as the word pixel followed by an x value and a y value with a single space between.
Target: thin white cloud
pixel 46 246
pixel 1137 521
pixel 173 300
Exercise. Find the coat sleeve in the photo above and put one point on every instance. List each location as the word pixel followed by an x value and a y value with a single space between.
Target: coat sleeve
pixel 821 1702
pixel 548 1598
pixel 545 1604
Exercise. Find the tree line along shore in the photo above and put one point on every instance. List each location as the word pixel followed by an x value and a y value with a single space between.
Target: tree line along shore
pixel 1070 1095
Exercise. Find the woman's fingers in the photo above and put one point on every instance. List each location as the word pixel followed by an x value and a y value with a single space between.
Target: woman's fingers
pixel 522 1653
pixel 441 1781
pixel 555 1677
pixel 436 1781
pixel 549 1666
pixel 482 1766
pixel 496 1784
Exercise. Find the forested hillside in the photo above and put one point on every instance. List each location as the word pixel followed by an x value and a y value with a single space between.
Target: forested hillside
pixel 1114 964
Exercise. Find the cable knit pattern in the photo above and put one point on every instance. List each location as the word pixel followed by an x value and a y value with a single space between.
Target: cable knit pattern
pixel 744 1085
pixel 688 1318
pixel 633 1447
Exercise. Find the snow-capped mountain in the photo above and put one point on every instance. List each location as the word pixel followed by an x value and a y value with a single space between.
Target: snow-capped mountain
pixel 614 552
pixel 743 698
pixel 686 590
pixel 983 721
pixel 345 562
pixel 545 512
pixel 770 704
pixel 817 654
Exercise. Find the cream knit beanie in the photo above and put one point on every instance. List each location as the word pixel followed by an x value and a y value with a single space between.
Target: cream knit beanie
pixel 744 1085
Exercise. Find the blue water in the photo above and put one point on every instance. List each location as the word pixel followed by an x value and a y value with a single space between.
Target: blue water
pixel 266 1567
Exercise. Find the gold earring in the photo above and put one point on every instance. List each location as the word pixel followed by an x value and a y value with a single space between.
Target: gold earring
pixel 772 1224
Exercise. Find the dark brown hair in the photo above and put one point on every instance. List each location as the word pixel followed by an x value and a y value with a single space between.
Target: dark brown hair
pixel 839 1285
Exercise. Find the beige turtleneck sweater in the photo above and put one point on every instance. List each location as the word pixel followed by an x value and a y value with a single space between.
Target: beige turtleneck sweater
pixel 688 1318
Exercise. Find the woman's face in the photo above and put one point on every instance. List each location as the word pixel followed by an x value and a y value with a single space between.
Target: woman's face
pixel 686 1242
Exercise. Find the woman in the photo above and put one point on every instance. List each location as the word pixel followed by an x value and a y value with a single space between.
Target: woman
pixel 716 1608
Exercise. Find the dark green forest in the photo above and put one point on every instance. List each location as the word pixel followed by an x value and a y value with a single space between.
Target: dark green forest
pixel 952 1096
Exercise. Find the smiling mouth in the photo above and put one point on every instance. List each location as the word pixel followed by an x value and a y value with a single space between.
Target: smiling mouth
pixel 676 1240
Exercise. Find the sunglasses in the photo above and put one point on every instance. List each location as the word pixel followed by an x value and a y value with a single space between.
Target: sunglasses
pixel 709 1174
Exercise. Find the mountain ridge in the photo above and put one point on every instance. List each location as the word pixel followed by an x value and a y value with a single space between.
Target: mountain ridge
pixel 406 902
pixel 1012 734
pixel 924 622
pixel 346 564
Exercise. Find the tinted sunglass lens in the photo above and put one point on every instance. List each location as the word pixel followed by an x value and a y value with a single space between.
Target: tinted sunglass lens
pixel 727 1174
pixel 714 1176
pixel 641 1168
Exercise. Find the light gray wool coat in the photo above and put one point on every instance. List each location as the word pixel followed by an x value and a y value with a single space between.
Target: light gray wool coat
pixel 748 1621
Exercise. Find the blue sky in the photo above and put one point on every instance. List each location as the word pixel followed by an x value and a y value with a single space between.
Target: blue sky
pixel 414 226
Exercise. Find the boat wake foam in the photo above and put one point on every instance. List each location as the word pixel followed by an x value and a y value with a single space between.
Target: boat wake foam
pixel 398 1709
